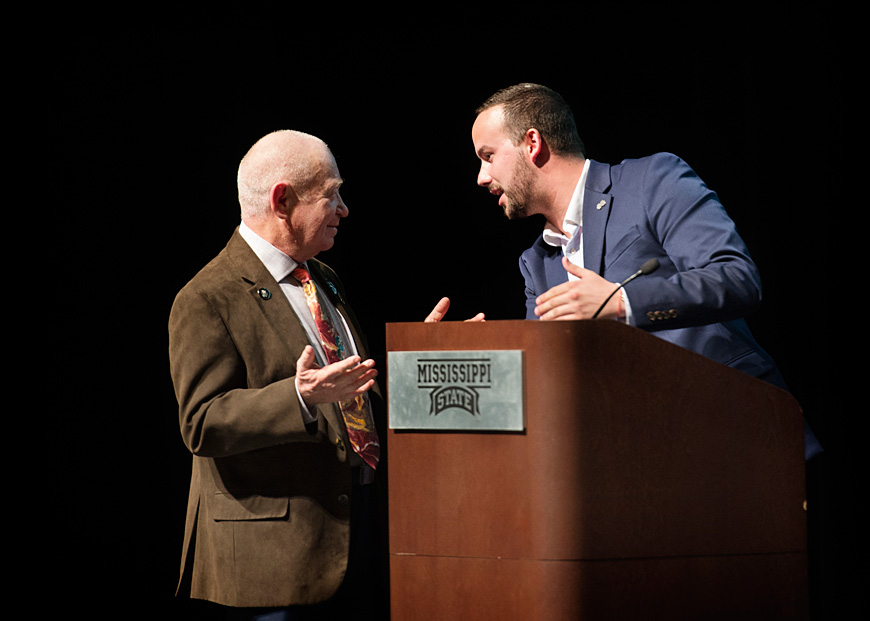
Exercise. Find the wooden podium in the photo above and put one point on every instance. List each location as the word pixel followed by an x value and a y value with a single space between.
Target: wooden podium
pixel 649 483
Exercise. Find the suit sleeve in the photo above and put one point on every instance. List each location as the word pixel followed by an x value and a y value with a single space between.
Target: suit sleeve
pixel 707 275
pixel 220 414
pixel 530 291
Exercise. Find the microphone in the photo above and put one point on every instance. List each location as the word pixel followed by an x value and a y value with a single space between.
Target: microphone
pixel 647 268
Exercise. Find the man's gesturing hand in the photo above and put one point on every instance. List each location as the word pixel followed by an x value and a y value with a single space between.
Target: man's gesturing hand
pixel 340 381
pixel 440 310
pixel 578 299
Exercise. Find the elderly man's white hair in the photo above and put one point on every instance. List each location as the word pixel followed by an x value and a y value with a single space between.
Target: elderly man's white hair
pixel 285 155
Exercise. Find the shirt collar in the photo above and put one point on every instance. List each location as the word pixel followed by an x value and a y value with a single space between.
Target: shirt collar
pixel 573 222
pixel 279 264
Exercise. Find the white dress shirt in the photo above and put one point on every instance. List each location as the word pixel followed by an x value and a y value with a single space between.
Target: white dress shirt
pixel 572 242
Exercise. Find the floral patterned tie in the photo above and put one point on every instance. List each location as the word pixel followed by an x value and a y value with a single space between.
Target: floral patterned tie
pixel 357 414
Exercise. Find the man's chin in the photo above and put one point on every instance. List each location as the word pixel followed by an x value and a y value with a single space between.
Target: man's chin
pixel 515 213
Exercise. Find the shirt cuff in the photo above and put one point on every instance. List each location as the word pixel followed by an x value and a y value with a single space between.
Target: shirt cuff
pixel 307 416
pixel 626 305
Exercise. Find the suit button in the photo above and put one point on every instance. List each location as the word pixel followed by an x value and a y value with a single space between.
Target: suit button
pixel 343 500
pixel 339 444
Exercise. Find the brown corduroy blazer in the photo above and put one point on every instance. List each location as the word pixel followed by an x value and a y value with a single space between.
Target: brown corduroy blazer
pixel 269 504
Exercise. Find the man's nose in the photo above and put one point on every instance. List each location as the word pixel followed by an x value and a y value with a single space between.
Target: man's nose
pixel 483 178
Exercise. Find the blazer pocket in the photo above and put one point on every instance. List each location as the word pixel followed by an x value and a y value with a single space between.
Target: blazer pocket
pixel 624 243
pixel 223 506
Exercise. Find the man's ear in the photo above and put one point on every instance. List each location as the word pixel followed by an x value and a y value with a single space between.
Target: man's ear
pixel 282 199
pixel 535 147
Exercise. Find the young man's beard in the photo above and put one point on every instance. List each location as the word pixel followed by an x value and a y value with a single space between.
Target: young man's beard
pixel 517 198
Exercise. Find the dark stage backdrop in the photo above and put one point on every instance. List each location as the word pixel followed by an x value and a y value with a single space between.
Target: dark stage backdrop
pixel 155 120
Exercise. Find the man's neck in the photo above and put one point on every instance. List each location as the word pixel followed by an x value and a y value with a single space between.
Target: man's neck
pixel 271 232
pixel 564 180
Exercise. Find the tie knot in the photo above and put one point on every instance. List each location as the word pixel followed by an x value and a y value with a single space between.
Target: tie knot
pixel 301 274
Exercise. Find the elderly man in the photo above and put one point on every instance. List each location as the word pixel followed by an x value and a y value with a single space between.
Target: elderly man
pixel 276 400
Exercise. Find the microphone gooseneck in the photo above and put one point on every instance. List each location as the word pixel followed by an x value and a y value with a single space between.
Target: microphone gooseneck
pixel 647 268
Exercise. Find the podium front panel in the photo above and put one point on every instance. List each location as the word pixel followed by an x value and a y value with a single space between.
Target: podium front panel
pixel 634 452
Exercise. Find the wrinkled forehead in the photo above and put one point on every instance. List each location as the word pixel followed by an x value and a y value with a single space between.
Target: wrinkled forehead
pixel 326 174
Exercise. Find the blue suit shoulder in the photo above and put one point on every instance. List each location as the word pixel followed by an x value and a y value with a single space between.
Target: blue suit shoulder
pixel 631 170
pixel 640 167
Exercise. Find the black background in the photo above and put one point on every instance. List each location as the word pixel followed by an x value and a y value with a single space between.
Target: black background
pixel 156 115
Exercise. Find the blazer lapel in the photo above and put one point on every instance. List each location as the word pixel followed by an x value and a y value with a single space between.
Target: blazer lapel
pixel 554 272
pixel 596 210
pixel 267 294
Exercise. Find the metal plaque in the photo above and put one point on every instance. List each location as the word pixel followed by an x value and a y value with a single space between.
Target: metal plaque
pixel 456 390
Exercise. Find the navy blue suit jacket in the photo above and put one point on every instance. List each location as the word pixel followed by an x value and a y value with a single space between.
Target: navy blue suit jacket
pixel 658 207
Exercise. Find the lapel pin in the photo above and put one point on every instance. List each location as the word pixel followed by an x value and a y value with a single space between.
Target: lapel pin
pixel 264 293
pixel 600 204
